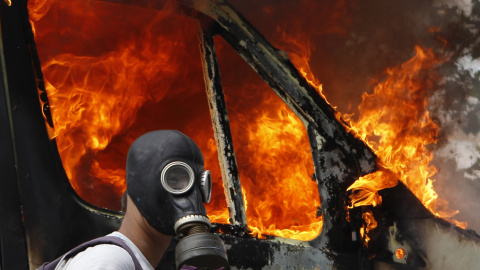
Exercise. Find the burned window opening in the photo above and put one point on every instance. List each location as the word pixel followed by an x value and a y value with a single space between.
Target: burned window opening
pixel 272 148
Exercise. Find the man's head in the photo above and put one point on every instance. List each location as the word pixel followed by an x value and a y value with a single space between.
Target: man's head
pixel 164 180
pixel 167 183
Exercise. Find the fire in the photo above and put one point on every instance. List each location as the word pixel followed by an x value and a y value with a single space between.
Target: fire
pixel 272 151
pixel 104 96
pixel 400 253
pixel 395 122
pixel 278 159
pixel 268 149
pixel 370 224
pixel 114 72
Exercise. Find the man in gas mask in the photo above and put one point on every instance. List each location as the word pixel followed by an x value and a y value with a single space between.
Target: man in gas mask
pixel 166 189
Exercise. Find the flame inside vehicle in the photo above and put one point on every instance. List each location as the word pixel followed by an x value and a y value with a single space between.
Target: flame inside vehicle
pixel 142 73
pixel 266 148
pixel 370 224
pixel 143 62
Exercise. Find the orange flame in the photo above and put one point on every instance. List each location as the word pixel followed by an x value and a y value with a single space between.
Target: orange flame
pixel 395 123
pixel 290 170
pixel 274 140
pixel 142 73
pixel 370 224
pixel 272 151
pixel 130 71
pixel 104 96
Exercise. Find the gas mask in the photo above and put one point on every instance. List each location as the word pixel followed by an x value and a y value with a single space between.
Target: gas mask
pixel 167 182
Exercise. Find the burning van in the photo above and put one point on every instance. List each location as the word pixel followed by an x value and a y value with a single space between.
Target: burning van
pixel 299 182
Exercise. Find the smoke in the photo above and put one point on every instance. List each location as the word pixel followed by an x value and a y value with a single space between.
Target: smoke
pixel 465 6
pixel 468 64
pixel 457 109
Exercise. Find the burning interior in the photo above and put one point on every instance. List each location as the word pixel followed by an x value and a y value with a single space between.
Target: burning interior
pixel 298 183
pixel 93 136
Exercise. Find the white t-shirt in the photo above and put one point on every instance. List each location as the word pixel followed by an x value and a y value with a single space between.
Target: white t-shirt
pixel 106 257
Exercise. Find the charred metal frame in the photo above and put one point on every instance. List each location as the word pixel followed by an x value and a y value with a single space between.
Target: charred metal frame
pixel 11 229
pixel 337 154
pixel 42 217
pixel 36 199
pixel 221 129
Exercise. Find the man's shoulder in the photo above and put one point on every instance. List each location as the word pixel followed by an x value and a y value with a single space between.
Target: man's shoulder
pixel 101 256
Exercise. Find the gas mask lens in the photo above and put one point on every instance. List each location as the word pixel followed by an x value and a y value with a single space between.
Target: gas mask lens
pixel 177 177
